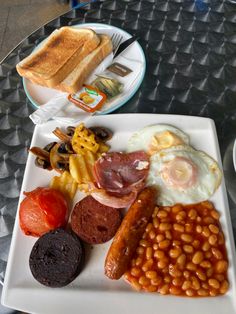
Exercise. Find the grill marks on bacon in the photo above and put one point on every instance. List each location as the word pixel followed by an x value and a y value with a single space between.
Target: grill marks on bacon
pixel 120 176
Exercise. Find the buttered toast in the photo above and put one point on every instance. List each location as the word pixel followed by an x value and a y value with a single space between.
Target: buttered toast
pixel 74 81
pixel 58 56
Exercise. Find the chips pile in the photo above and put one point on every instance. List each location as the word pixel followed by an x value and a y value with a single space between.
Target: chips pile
pixel 87 150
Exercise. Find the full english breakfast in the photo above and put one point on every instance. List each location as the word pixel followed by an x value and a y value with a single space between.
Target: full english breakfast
pixel 170 240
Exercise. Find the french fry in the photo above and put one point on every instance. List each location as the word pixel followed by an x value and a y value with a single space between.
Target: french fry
pixel 103 148
pixel 78 168
pixel 83 140
pixel 65 184
pixel 81 168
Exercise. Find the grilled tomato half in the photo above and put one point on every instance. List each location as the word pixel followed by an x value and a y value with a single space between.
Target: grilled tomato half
pixel 42 210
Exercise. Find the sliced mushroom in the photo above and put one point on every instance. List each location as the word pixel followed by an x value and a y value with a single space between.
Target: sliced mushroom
pixel 40 152
pixel 70 130
pixel 65 148
pixel 42 163
pixel 103 134
pixel 49 146
pixel 61 135
pixel 43 156
pixel 59 161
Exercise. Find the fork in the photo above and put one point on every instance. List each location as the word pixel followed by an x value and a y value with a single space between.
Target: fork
pixel 116 40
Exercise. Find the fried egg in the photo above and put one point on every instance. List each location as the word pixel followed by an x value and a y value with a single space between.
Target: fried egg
pixel 154 138
pixel 183 175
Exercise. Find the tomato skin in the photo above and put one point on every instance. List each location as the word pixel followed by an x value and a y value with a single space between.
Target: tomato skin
pixel 42 210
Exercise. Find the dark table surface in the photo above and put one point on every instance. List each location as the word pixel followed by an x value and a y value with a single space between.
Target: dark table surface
pixel 190 48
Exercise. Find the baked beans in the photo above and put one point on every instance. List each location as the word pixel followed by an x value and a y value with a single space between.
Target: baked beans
pixel 182 252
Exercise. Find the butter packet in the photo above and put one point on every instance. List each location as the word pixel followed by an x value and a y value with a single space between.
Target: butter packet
pixel 108 84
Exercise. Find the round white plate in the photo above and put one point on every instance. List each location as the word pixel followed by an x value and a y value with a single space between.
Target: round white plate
pixel 39 95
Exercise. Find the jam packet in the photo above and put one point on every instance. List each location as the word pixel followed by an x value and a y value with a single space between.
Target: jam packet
pixel 88 98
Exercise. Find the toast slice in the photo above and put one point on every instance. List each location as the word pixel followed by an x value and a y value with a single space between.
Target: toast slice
pixel 74 81
pixel 58 56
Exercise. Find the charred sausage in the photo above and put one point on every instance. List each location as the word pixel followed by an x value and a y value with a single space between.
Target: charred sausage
pixel 129 233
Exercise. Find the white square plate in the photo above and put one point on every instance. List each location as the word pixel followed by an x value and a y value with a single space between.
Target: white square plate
pixel 91 292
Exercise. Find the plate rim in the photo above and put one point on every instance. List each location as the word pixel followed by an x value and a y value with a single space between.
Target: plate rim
pixel 36 105
pixel 163 117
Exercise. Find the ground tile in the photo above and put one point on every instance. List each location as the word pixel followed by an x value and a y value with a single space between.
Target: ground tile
pixel 25 19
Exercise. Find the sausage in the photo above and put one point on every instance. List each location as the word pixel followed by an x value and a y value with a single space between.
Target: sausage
pixel 129 233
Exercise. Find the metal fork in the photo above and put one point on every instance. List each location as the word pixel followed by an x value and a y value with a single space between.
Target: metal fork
pixel 116 40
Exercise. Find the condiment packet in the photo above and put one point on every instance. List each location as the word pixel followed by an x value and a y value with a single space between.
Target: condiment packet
pixel 60 109
pixel 49 109
pixel 88 98
pixel 119 69
pixel 108 84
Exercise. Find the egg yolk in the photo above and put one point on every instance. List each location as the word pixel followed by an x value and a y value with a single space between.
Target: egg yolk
pixel 180 173
pixel 163 140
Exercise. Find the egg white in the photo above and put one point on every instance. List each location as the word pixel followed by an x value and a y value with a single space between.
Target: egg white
pixel 208 177
pixel 141 139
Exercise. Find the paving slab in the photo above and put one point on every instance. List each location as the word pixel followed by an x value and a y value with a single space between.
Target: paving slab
pixel 10 3
pixel 24 19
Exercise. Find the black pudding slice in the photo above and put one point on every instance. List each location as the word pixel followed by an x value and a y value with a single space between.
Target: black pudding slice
pixel 56 258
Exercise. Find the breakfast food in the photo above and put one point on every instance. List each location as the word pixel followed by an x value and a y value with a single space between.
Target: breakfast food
pixel 65 184
pixel 120 176
pixel 182 252
pixel 154 138
pixel 74 81
pixel 183 175
pixel 93 222
pixel 42 210
pixel 81 169
pixel 129 233
pixel 111 199
pixel 170 240
pixel 102 134
pixel 84 140
pixel 56 258
pixel 58 56
pixel 74 157
pixel 120 172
